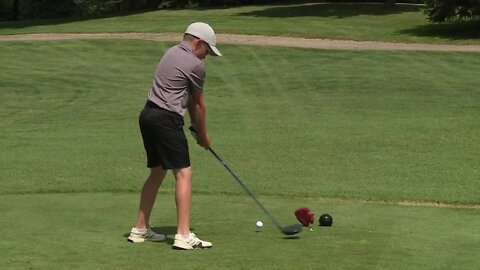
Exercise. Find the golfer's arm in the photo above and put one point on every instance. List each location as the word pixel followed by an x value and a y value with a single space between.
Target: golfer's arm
pixel 198 111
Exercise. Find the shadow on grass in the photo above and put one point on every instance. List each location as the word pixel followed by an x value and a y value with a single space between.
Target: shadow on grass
pixel 340 10
pixel 291 237
pixel 29 23
pixel 458 30
pixel 167 230
pixel 46 22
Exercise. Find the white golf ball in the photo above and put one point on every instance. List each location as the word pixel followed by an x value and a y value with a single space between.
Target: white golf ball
pixel 259 224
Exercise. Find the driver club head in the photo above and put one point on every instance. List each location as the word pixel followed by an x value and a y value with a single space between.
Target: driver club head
pixel 292 229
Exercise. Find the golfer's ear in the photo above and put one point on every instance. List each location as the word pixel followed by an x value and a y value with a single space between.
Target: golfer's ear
pixel 198 43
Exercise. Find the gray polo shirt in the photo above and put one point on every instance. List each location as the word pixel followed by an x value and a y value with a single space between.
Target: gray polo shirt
pixel 179 73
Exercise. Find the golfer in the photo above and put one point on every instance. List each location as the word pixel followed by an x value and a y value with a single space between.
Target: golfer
pixel 177 87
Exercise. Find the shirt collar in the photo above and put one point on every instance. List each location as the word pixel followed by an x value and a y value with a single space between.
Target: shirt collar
pixel 185 47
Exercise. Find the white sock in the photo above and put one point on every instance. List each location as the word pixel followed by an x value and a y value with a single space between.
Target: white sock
pixel 185 236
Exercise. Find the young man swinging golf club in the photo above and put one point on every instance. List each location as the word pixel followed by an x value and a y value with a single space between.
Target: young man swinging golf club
pixel 177 87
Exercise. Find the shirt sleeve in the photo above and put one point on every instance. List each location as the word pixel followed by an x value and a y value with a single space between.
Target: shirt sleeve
pixel 197 77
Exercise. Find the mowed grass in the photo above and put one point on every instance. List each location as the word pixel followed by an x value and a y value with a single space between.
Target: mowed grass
pixel 87 231
pixel 316 128
pixel 400 23
pixel 295 122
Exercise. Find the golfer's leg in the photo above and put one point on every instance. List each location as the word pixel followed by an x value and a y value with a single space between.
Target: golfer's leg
pixel 149 194
pixel 183 198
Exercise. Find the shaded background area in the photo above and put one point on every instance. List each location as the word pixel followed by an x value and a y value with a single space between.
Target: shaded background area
pixel 347 21
pixel 45 9
pixel 456 30
pixel 336 10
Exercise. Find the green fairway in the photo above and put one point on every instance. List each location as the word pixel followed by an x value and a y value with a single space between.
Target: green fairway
pixel 400 23
pixel 87 231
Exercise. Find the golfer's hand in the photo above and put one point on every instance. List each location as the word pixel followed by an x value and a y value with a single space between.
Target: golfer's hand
pixel 193 131
pixel 203 141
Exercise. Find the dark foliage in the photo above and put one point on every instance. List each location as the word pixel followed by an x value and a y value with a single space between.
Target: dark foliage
pixel 442 10
pixel 437 11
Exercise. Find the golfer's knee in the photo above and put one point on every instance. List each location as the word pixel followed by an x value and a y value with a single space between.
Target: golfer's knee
pixel 183 174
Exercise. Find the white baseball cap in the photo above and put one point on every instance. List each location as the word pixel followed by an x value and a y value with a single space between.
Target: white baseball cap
pixel 204 32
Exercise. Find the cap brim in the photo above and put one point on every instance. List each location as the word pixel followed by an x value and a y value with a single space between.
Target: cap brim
pixel 215 51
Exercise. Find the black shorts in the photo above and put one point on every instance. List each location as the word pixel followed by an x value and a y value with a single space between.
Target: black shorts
pixel 163 138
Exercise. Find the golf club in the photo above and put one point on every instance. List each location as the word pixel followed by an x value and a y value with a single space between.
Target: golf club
pixel 288 230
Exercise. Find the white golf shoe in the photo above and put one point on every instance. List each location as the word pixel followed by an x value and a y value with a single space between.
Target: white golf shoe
pixel 189 242
pixel 144 235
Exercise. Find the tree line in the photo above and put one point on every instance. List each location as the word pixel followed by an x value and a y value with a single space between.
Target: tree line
pixel 436 10
pixel 43 9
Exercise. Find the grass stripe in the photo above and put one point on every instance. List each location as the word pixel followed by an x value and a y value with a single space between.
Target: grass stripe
pixel 342 124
